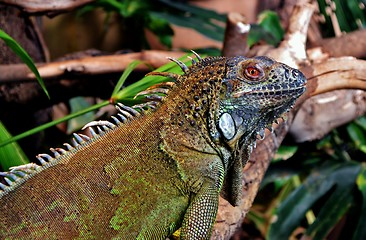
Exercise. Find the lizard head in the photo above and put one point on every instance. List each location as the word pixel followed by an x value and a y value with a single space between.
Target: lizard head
pixel 257 91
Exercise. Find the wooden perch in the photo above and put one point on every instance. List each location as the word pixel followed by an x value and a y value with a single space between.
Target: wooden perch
pixel 86 66
pixel 236 33
pixel 336 73
pixel 350 44
pixel 321 114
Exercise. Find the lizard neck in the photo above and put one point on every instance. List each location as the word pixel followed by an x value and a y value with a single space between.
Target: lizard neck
pixel 189 126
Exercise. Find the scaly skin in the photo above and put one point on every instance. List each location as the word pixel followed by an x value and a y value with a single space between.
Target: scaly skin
pixel 161 170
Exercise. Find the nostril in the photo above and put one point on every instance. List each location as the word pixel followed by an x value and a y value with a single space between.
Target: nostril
pixel 300 77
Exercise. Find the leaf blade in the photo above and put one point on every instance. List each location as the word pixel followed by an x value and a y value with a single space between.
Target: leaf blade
pixel 15 47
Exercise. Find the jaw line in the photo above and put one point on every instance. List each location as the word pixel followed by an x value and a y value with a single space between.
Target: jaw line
pixel 243 93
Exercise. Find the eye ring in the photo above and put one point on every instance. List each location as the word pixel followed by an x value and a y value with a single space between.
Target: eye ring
pixel 253 72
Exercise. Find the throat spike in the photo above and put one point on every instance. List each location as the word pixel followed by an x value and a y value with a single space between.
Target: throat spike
pixel 100 130
pixel 284 117
pixel 74 142
pixel 270 128
pixel 8 181
pixel 261 133
pixel 130 110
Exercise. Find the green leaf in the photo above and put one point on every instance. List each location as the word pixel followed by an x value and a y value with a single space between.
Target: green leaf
pixel 285 152
pixel 338 177
pixel 133 7
pixel 360 232
pixel 128 93
pixel 356 12
pixel 124 76
pixel 12 154
pixel 268 29
pixel 258 33
pixel 24 56
pixel 356 134
pixel 53 123
pixel 209 29
pixel 361 121
pixel 332 211
pixel 363 148
pixel 341 16
pixel 161 28
pixel 258 219
pixel 270 21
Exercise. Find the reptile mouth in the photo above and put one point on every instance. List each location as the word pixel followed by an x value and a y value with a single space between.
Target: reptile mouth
pixel 272 93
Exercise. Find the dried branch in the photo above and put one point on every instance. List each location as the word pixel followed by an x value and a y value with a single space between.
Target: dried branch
pixel 236 34
pixel 86 66
pixel 322 113
pixel 336 73
pixel 350 44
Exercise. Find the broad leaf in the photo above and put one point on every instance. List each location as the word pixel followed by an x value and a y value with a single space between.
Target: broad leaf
pixel 360 232
pixel 337 178
pixel 24 56
pixel 12 154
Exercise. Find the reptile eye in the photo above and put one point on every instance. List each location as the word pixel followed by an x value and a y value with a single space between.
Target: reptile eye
pixel 253 72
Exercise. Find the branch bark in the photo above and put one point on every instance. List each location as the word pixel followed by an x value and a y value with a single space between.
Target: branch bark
pixel 350 44
pixel 86 66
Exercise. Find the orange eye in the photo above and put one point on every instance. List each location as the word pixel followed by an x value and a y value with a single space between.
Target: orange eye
pixel 252 72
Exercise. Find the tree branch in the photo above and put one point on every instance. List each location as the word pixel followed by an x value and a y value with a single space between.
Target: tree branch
pixel 350 44
pixel 86 66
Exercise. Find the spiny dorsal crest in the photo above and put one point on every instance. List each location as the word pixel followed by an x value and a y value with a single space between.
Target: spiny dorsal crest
pixel 154 95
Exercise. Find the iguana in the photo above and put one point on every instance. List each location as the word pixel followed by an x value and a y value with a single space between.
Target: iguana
pixel 154 168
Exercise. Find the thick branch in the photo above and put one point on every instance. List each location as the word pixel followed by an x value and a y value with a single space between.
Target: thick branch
pixel 322 113
pixel 86 66
pixel 236 33
pixel 336 73
pixel 350 44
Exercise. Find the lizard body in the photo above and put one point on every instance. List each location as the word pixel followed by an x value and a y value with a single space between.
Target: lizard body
pixel 162 168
